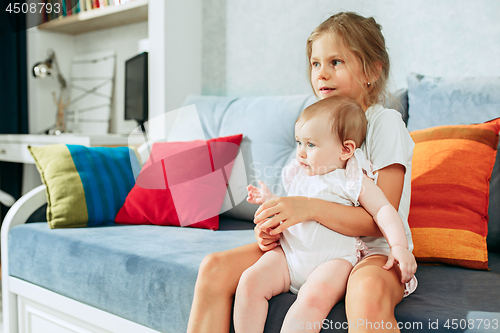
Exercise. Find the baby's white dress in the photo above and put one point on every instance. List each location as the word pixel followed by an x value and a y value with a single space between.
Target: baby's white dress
pixel 309 244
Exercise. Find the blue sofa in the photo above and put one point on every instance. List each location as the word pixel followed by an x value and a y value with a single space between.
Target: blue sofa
pixel 141 278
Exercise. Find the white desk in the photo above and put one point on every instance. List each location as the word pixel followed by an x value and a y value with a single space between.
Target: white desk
pixel 14 147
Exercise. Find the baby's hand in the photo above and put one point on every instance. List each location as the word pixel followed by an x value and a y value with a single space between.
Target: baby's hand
pixel 258 196
pixel 406 261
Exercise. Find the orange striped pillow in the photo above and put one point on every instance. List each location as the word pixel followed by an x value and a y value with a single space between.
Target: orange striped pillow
pixel 451 170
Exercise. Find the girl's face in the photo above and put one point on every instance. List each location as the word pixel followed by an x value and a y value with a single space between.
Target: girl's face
pixel 318 150
pixel 330 74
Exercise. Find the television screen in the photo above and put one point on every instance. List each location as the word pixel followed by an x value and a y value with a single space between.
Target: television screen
pixel 136 88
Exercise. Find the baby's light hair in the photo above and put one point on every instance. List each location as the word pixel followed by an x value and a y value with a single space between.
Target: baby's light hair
pixel 363 38
pixel 346 117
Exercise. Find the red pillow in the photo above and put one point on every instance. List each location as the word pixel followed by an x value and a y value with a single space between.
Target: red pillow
pixel 182 184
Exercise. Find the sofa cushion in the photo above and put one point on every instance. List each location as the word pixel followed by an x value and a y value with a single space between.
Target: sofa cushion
pixel 493 238
pixel 436 101
pixel 182 184
pixel 399 101
pixel 443 294
pixel 450 190
pixel 85 186
pixel 109 266
pixel 267 124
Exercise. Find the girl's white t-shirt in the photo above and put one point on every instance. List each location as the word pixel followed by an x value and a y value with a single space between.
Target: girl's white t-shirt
pixel 388 142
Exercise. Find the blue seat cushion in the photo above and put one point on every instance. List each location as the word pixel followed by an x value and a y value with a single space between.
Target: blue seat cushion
pixel 147 274
pixel 143 273
pixel 443 293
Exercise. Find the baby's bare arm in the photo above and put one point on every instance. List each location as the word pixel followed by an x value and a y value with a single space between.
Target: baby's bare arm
pixel 374 202
pixel 385 215
pixel 258 196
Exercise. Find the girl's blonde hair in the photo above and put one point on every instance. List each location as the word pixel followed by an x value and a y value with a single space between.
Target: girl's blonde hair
pixel 363 38
pixel 345 116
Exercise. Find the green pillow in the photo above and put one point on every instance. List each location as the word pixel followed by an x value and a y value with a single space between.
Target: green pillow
pixel 85 186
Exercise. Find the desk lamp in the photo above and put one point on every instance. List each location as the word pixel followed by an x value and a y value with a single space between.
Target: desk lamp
pixel 50 67
pixel 6 199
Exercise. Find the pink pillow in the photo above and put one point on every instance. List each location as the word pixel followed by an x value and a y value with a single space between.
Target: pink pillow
pixel 182 184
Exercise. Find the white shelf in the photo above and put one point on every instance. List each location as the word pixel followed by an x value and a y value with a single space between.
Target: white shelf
pixel 99 18
pixel 14 147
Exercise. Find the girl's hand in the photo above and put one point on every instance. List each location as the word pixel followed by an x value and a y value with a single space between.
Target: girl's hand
pixel 283 212
pixel 406 261
pixel 266 242
pixel 258 196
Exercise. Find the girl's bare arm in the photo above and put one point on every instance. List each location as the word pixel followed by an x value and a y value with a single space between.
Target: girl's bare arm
pixel 350 221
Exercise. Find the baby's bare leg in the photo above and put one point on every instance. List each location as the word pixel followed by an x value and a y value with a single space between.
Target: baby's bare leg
pixel 323 289
pixel 268 277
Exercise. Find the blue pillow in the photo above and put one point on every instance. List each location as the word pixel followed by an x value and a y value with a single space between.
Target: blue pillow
pixel 85 186
pixel 399 102
pixel 437 101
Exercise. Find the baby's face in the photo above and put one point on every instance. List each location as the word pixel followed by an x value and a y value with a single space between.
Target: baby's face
pixel 318 150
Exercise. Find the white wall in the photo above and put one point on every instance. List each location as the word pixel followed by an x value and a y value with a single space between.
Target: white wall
pixel 41 107
pixel 124 40
pixel 214 47
pixel 248 48
pixel 175 37
pixel 265 52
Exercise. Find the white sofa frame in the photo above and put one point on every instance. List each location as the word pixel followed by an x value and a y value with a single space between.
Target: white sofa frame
pixel 28 308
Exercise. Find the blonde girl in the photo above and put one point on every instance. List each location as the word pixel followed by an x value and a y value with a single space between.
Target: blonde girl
pixel 347 56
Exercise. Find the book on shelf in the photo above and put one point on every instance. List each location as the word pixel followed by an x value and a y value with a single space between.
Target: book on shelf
pixel 69 7
pixel 73 7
